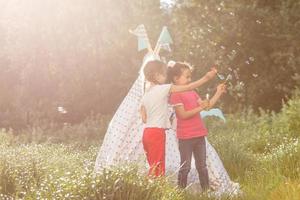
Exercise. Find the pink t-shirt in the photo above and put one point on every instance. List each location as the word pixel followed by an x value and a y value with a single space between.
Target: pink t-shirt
pixel 191 127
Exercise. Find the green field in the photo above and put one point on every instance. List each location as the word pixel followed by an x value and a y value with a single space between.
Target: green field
pixel 260 151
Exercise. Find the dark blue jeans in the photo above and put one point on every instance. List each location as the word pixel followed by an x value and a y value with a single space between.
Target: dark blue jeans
pixel 187 148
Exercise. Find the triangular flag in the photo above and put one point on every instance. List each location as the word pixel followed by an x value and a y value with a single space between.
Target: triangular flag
pixel 164 40
pixel 143 40
pixel 165 37
pixel 166 47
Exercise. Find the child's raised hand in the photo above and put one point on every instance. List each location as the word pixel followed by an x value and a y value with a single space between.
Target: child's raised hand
pixel 221 88
pixel 204 104
pixel 212 73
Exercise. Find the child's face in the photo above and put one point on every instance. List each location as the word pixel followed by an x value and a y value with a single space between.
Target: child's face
pixel 185 78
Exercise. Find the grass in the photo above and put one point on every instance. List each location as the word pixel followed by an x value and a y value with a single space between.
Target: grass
pixel 261 152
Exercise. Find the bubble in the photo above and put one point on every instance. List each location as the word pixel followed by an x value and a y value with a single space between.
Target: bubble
pixel 220 76
pixel 251 59
pixel 218 8
pixel 239 85
pixel 236 74
pixel 61 110
pixel 247 62
pixel 258 21
pixel 229 77
pixel 232 13
pixel 213 43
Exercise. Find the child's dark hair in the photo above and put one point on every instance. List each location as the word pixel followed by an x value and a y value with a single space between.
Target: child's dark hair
pixel 176 70
pixel 152 68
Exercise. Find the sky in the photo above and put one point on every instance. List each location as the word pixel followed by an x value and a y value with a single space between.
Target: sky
pixel 167 1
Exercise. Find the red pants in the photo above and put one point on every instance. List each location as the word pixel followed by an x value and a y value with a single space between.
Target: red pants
pixel 154 140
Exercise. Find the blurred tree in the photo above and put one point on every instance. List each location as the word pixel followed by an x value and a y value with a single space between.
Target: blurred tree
pixel 258 42
pixel 80 56
pixel 74 54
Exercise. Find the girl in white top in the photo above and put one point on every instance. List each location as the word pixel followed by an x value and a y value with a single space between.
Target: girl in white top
pixel 154 112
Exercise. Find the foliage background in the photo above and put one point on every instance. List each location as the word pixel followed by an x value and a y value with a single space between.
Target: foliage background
pixel 80 55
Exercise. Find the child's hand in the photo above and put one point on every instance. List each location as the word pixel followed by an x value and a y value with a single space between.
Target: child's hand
pixel 212 73
pixel 204 104
pixel 221 88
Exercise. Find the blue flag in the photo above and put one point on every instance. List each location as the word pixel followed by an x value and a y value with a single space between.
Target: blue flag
pixel 213 112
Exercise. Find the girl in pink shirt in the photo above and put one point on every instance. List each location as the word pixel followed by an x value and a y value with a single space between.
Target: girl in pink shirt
pixel 191 130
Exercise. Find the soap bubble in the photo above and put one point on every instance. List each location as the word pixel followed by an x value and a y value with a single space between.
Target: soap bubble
pixel 220 76
pixel 236 74
pixel 229 77
pixel 251 59
pixel 61 109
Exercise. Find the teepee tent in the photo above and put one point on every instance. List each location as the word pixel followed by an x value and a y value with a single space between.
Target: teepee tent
pixel 123 140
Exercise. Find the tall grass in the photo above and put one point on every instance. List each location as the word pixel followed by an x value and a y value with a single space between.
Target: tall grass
pixel 261 152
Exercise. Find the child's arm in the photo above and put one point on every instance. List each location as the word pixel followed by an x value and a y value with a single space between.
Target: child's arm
pixel 220 90
pixel 143 114
pixel 185 114
pixel 180 88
